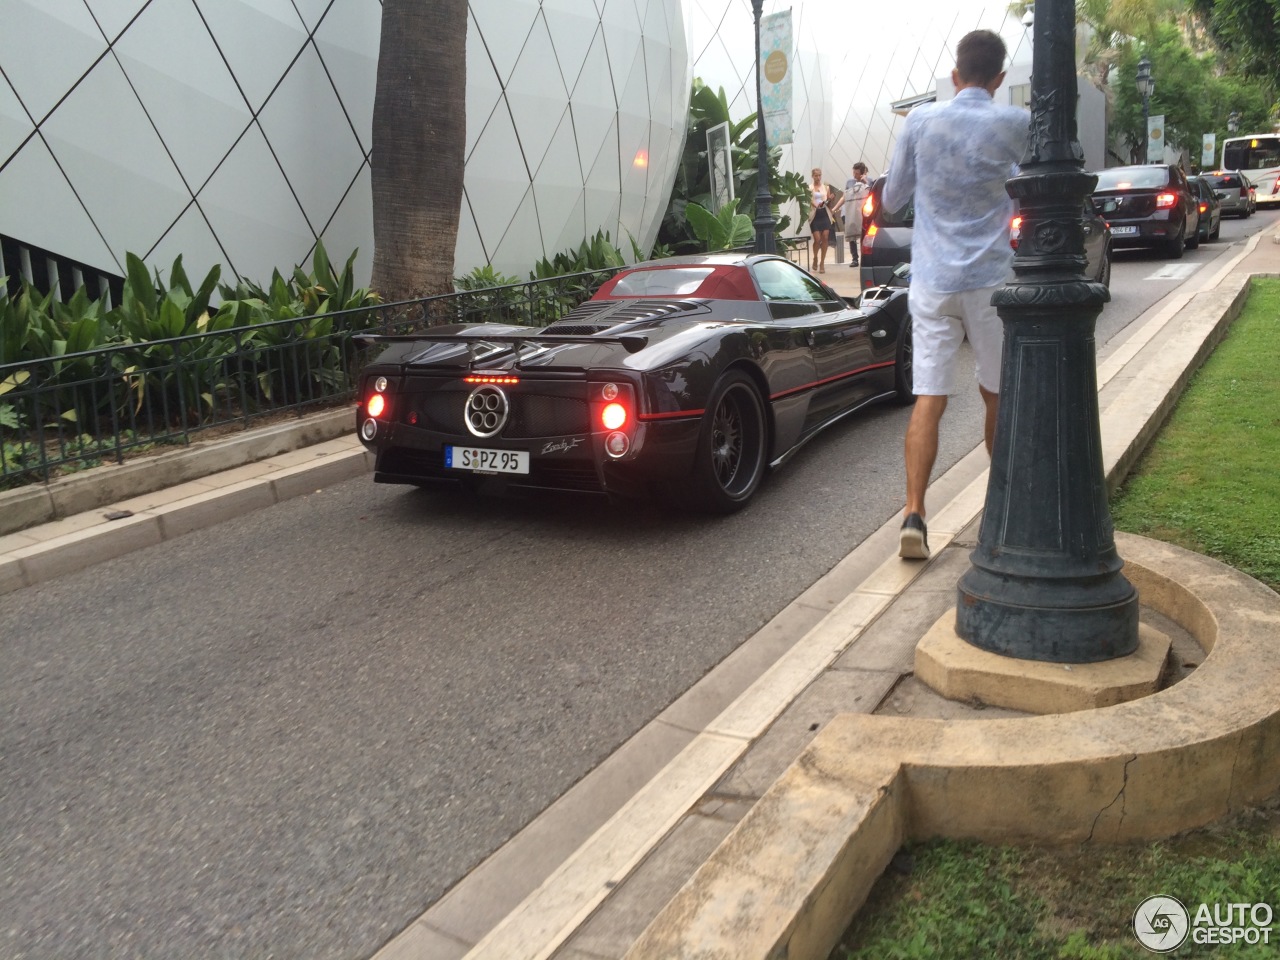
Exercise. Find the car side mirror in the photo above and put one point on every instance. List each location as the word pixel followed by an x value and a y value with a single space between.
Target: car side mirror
pixel 902 271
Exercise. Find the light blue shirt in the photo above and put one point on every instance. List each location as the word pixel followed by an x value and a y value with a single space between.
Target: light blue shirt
pixel 955 158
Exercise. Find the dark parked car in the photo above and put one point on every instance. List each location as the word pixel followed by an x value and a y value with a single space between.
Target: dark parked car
pixel 1097 243
pixel 1234 190
pixel 1149 205
pixel 1210 207
pixel 689 376
pixel 886 241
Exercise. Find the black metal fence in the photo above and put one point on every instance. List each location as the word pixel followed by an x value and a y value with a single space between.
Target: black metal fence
pixel 66 413
pixel 78 410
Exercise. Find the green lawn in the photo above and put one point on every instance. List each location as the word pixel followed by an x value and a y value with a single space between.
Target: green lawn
pixel 1211 483
pixel 1211 480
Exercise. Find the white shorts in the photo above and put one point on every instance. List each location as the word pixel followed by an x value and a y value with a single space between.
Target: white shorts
pixel 940 323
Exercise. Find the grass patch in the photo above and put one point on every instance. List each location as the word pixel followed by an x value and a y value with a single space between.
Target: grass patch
pixel 966 900
pixel 1210 482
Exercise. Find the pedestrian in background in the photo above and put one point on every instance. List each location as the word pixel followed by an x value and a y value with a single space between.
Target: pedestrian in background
pixel 955 157
pixel 820 221
pixel 856 190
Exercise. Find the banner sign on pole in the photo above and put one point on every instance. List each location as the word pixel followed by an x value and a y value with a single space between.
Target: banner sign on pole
pixel 1208 148
pixel 1155 139
pixel 775 76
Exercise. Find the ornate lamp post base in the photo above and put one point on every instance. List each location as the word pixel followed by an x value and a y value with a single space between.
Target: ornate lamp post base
pixel 1045 581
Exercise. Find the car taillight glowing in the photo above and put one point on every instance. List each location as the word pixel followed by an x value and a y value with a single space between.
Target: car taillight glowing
pixel 376 405
pixel 1015 232
pixel 1165 200
pixel 613 416
pixel 869 238
pixel 491 378
pixel 1203 206
pixel 869 205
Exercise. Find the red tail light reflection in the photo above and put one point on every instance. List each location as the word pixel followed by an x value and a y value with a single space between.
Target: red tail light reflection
pixel 1164 200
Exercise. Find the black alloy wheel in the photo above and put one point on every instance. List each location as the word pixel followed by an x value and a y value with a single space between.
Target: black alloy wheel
pixel 904 373
pixel 730 460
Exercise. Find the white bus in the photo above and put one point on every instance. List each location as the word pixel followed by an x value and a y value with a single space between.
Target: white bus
pixel 1257 156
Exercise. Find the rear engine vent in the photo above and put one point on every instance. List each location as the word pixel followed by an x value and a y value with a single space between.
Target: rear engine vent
pixel 597 316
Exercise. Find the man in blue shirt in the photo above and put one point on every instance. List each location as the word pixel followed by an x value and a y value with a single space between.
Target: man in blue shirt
pixel 955 157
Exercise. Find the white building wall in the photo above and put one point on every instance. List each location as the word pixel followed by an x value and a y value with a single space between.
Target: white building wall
pixel 238 133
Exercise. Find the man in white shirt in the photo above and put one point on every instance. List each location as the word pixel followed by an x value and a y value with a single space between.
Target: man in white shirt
pixel 856 189
pixel 955 157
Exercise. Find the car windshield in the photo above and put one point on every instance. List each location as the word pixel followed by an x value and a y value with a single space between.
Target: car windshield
pixel 1128 178
pixel 1224 180
pixel 664 282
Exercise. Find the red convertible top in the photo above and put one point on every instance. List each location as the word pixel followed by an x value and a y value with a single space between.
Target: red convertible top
pixel 710 281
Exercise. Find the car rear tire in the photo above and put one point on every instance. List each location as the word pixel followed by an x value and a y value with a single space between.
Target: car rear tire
pixel 1173 248
pixel 1193 241
pixel 1104 277
pixel 904 379
pixel 1217 231
pixel 730 459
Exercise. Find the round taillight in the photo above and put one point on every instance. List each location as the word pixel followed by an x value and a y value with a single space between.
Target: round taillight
pixel 609 391
pixel 369 429
pixel 613 416
pixel 616 444
pixel 376 405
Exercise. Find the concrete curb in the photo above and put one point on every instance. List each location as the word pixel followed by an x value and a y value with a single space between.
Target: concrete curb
pixel 28 506
pixel 84 539
pixel 792 873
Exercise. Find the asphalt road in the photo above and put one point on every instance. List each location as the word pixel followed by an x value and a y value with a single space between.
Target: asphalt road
pixel 288 735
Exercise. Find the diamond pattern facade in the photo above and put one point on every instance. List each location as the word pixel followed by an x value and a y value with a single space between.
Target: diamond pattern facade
pixel 236 133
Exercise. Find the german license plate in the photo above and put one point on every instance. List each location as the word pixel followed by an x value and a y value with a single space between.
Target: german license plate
pixel 478 460
pixel 1124 231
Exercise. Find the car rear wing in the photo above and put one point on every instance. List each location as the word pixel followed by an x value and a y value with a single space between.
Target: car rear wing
pixel 631 342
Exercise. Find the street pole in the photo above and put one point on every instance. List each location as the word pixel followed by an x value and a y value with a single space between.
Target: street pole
pixel 764 201
pixel 1045 581
pixel 1146 87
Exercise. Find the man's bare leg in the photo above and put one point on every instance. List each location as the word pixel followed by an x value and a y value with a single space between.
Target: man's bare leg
pixel 992 400
pixel 921 448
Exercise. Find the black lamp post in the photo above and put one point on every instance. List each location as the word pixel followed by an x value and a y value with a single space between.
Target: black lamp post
pixel 764 201
pixel 1146 87
pixel 1045 581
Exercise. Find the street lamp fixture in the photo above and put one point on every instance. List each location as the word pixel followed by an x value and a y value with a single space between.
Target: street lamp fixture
pixel 1233 122
pixel 764 202
pixel 1146 87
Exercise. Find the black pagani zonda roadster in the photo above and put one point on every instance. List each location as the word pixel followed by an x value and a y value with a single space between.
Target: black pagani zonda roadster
pixel 688 377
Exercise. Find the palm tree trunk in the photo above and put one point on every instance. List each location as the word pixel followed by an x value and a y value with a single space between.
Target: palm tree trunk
pixel 419 135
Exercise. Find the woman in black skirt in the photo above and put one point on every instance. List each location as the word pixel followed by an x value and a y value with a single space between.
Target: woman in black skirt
pixel 820 221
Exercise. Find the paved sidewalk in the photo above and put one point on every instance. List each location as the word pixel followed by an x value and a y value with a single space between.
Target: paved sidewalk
pixel 586 877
